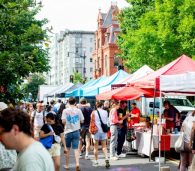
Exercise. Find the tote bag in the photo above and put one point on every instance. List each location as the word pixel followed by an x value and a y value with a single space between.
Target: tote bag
pixel 92 126
pixel 47 141
pixel 179 144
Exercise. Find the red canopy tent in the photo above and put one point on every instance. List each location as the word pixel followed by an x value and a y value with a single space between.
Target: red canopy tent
pixel 180 65
pixel 125 93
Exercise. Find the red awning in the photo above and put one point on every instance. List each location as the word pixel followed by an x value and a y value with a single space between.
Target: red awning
pixel 126 93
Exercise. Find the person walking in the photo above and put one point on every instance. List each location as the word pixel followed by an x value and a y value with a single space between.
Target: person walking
pixel 85 134
pixel 59 114
pixel 29 108
pixel 16 133
pixel 100 135
pixel 53 128
pixel 72 117
pixel 38 119
pixel 186 154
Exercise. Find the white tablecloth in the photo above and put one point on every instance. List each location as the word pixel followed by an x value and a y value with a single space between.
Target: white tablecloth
pixel 142 142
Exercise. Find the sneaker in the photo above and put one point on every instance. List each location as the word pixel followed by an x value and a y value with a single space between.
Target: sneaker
pixel 87 158
pixel 80 156
pixel 95 164
pixel 122 155
pixel 107 164
pixel 114 158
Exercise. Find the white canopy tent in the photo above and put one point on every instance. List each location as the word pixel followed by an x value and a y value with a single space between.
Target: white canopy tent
pixel 180 83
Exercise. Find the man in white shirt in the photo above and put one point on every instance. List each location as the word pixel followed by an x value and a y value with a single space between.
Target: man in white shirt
pixel 38 119
pixel 72 118
pixel 15 133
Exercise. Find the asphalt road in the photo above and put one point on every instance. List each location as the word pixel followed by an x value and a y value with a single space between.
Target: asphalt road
pixel 132 162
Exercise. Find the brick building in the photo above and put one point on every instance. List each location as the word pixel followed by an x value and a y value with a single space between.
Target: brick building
pixel 105 58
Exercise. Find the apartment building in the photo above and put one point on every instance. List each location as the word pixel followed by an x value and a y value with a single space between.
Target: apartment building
pixel 70 51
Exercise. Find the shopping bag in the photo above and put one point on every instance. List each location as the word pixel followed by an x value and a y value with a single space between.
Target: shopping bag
pixel 179 144
pixel 92 126
pixel 47 141
pixel 130 135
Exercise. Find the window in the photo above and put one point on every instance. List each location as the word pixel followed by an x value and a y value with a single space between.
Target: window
pixel 91 40
pixel 91 49
pixel 91 69
pixel 91 60
pixel 98 43
pixel 106 65
pixel 76 49
pixel 95 65
pixel 98 63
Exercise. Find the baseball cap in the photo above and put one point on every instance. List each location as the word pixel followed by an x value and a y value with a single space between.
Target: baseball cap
pixel 83 100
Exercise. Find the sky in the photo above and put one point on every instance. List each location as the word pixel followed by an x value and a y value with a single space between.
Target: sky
pixel 75 14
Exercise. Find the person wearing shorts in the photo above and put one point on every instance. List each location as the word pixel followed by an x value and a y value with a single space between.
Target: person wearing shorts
pixel 53 128
pixel 85 134
pixel 100 135
pixel 72 117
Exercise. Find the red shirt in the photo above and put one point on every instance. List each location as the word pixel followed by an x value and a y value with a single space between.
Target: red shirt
pixel 136 111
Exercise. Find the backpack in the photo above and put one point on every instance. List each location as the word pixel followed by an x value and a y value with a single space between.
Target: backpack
pixel 34 114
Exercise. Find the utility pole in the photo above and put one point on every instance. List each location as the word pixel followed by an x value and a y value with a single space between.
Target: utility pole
pixel 83 57
pixel 84 69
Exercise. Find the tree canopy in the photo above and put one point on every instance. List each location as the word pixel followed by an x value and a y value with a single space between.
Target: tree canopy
pixel 21 45
pixel 30 89
pixel 155 32
pixel 77 78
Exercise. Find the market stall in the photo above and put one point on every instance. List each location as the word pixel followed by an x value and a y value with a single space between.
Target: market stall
pixel 142 142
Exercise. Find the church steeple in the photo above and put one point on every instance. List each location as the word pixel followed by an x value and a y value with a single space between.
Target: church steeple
pixel 100 19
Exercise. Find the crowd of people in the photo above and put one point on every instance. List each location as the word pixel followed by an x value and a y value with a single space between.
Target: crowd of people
pixel 22 127
pixel 76 126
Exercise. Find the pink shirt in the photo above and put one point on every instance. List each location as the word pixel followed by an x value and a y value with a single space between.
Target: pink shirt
pixel 113 117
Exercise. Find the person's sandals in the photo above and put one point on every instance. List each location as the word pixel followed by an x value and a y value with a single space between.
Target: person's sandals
pixel 66 168
pixel 78 168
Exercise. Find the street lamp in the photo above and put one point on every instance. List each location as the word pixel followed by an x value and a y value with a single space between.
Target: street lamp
pixel 117 63
pixel 83 57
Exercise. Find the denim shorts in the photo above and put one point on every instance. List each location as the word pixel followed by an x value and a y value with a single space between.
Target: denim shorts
pixel 72 139
pixel 100 136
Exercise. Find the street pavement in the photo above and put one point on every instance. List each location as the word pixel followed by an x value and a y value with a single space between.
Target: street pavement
pixel 133 161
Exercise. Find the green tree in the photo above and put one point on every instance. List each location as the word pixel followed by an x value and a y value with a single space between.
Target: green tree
pixel 31 89
pixel 157 33
pixel 77 78
pixel 21 45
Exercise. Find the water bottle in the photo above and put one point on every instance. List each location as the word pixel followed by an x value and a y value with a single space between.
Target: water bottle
pixel 176 131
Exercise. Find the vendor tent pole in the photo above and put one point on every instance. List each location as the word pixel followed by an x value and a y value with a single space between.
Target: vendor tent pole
pixel 152 124
pixel 160 129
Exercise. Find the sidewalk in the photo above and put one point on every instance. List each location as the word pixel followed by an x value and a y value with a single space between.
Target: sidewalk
pixel 130 161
